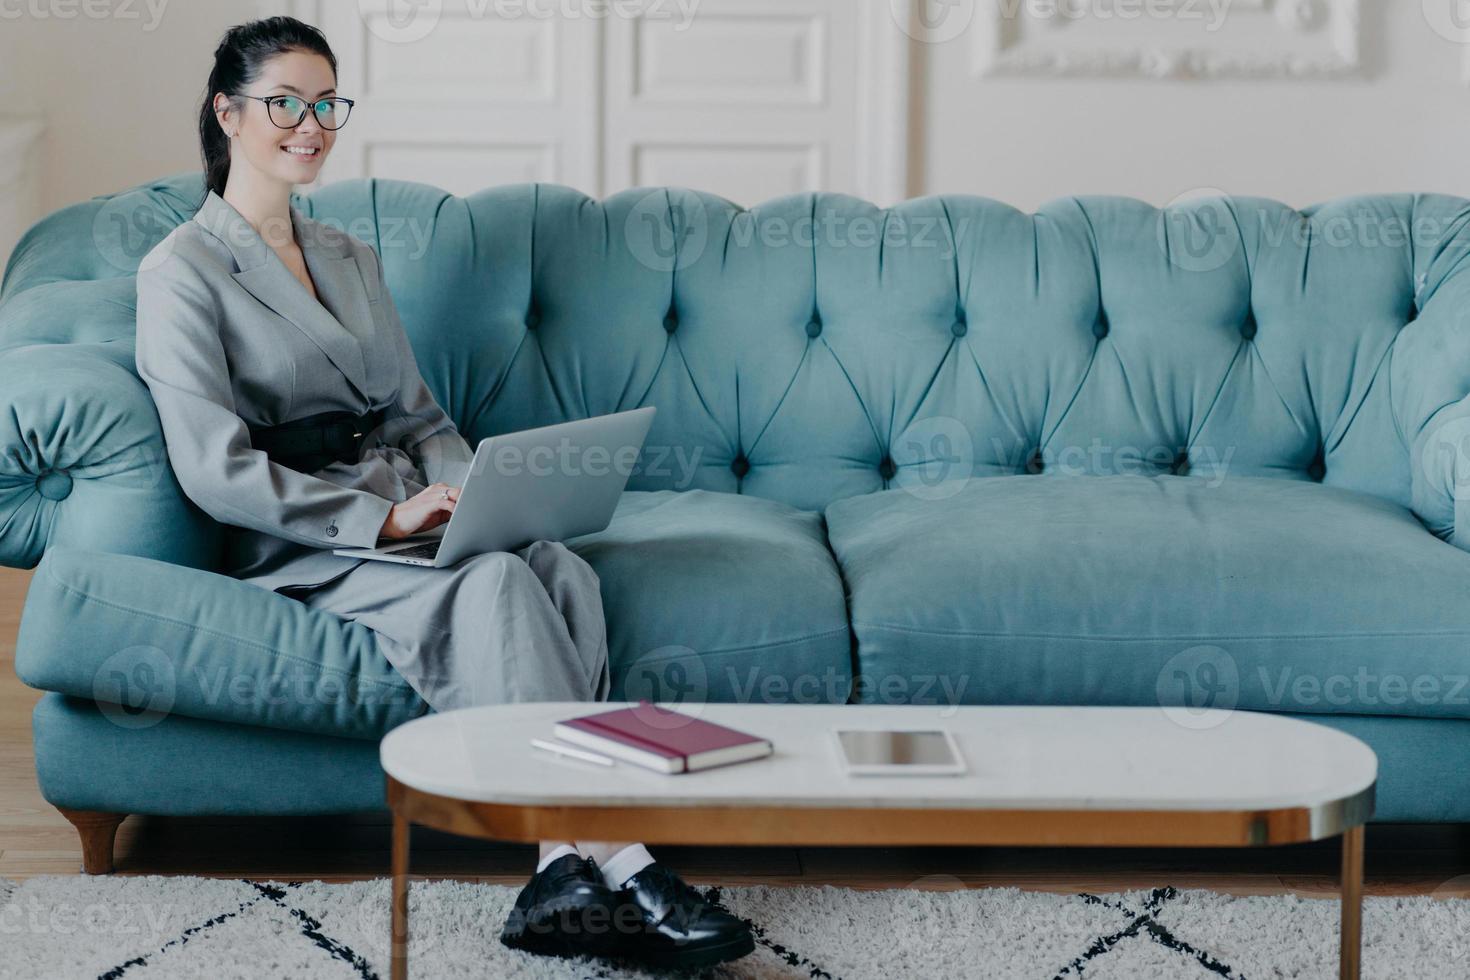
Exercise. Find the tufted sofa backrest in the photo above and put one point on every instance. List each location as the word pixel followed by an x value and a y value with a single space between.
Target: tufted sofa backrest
pixel 817 346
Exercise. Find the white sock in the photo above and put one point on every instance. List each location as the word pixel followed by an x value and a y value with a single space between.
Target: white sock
pixel 625 864
pixel 559 852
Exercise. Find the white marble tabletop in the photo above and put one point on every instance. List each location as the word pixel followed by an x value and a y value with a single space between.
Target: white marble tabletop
pixel 1082 758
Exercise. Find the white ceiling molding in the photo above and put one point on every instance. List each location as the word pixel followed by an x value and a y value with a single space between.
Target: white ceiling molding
pixel 1167 38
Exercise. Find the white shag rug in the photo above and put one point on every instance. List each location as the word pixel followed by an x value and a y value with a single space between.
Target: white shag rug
pixel 145 928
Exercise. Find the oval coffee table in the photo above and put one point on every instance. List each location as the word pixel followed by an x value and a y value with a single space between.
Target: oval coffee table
pixel 1082 777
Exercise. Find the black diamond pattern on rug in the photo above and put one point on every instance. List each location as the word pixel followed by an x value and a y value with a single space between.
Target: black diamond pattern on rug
pixel 788 956
pixel 1144 923
pixel 122 968
pixel 309 926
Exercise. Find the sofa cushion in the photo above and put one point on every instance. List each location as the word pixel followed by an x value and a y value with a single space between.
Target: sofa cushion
pixel 721 596
pixel 137 633
pixel 1256 593
pixel 707 595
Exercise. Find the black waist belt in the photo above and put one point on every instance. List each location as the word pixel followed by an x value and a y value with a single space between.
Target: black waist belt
pixel 311 443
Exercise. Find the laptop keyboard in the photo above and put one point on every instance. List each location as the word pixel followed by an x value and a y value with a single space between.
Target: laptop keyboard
pixel 418 551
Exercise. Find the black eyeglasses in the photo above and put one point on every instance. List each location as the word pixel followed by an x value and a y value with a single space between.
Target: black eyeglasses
pixel 287 111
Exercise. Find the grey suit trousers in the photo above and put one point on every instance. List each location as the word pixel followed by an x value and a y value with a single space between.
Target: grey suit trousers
pixel 491 629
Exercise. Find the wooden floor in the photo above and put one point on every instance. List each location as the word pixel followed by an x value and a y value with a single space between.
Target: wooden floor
pixel 35 840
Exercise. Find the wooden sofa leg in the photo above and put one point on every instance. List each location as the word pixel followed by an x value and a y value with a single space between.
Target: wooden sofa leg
pixel 98 831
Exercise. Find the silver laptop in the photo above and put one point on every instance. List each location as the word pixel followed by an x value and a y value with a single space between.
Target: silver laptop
pixel 546 484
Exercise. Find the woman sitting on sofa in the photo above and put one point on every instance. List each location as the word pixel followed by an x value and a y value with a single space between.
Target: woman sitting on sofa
pixel 260 330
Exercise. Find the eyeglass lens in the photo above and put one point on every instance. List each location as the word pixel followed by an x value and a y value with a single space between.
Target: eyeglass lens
pixel 288 111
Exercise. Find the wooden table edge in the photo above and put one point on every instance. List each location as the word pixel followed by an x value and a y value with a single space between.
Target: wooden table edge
pixel 735 824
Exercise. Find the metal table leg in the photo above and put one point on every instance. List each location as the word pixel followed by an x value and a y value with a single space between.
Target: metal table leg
pixel 1350 959
pixel 399 967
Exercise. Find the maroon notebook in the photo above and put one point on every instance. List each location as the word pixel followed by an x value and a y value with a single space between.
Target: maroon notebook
pixel 657 738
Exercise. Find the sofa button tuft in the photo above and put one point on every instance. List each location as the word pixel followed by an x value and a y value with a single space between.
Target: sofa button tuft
pixel 332 530
pixel 1317 470
pixel 740 466
pixel 671 322
pixel 54 484
pixel 1248 328
pixel 1100 328
pixel 887 469
pixel 959 328
pixel 814 328
pixel 533 320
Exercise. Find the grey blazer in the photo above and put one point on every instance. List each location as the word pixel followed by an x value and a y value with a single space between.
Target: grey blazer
pixel 226 336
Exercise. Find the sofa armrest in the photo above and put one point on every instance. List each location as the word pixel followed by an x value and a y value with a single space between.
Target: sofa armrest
pixel 147 638
pixel 1439 452
pixel 82 461
pixel 81 451
pixel 1430 377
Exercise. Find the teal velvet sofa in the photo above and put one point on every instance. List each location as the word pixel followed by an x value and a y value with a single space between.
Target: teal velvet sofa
pixel 946 452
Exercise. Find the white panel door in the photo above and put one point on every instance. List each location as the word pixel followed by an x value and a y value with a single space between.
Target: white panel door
pixel 753 99
pixel 749 99
pixel 464 94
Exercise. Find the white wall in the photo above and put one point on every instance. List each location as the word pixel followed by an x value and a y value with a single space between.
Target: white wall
pixel 118 88
pixel 1402 125
pixel 118 95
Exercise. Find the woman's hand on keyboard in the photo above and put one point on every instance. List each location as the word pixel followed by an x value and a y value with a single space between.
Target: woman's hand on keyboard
pixel 423 511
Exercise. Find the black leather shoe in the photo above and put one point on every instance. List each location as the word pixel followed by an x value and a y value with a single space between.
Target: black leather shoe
pixel 676 929
pixel 565 910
